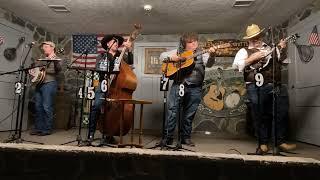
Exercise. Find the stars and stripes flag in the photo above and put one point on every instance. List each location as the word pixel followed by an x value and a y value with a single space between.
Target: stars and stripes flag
pixel 314 37
pixel 92 44
pixel 1 39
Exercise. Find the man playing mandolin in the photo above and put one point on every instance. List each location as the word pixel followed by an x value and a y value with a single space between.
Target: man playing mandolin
pixel 262 75
pixel 192 80
pixel 46 89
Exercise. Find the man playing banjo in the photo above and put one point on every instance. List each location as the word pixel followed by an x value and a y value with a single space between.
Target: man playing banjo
pixel 46 87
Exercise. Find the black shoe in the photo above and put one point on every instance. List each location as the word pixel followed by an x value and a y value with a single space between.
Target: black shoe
pixel 110 140
pixel 91 138
pixel 34 132
pixel 187 142
pixel 44 133
pixel 167 141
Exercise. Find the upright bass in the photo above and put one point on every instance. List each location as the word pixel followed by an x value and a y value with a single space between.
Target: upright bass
pixel 122 86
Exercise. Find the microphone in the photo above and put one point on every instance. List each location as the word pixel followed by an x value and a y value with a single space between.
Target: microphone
pixel 31 44
pixel 21 39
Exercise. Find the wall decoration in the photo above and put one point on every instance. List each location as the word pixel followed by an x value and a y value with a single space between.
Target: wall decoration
pixel 314 37
pixel 1 40
pixel 11 53
pixel 305 52
pixel 236 45
pixel 152 60
pixel 223 107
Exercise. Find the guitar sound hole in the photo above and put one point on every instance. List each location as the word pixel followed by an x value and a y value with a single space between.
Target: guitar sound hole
pixel 219 97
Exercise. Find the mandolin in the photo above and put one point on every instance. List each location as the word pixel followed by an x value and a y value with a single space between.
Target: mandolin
pixel 268 54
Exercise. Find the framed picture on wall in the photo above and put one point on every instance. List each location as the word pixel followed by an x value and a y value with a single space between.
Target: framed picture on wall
pixel 152 60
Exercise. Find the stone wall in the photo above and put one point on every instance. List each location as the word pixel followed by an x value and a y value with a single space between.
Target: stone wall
pixel 229 119
pixel 62 41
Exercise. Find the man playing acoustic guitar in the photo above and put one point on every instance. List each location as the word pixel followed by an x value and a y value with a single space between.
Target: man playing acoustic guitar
pixel 192 80
pixel 46 90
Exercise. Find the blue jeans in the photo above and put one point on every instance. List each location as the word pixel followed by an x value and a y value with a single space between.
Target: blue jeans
pixel 262 104
pixel 95 111
pixel 190 102
pixel 44 101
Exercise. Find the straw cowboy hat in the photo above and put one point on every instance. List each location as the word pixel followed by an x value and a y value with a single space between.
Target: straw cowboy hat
pixel 253 31
pixel 48 43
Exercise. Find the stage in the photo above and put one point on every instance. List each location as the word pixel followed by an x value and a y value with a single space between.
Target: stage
pixel 214 157
pixel 204 143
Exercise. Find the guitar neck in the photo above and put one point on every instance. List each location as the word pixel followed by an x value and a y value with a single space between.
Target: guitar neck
pixel 199 53
pixel 206 51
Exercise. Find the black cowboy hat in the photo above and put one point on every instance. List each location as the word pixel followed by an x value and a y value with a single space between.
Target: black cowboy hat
pixel 108 38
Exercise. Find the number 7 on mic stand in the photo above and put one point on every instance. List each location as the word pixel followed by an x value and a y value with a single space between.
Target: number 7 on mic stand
pixel 164 83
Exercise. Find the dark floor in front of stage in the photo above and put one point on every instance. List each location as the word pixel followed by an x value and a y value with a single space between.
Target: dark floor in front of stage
pixel 204 143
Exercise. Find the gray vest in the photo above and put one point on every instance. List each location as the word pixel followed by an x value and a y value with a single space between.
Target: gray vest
pixel 197 75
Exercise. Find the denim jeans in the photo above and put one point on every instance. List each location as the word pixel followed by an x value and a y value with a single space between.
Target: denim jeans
pixel 262 104
pixel 44 106
pixel 190 102
pixel 95 111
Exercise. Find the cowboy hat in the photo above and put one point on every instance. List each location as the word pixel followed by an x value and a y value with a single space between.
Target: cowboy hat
pixel 107 38
pixel 48 43
pixel 253 31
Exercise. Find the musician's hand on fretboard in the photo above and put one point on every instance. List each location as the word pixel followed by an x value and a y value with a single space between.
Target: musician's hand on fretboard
pixel 32 72
pixel 282 44
pixel 212 49
pixel 257 56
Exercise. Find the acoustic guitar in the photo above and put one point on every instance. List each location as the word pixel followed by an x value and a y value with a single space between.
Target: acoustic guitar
pixel 214 99
pixel 170 68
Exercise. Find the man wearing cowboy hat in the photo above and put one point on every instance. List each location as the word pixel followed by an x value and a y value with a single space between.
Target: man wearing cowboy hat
pixel 249 61
pixel 46 91
pixel 110 43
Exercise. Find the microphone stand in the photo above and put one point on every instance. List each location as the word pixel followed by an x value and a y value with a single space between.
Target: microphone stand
pixel 163 142
pixel 85 52
pixel 275 99
pixel 16 137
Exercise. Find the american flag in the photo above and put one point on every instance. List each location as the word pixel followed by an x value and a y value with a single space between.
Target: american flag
pixel 314 37
pixel 90 42
pixel 1 40
pixel 81 43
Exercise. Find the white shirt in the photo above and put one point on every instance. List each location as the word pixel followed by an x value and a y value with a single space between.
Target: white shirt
pixel 242 55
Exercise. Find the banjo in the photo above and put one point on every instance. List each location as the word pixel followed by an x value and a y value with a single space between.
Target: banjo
pixel 38 74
